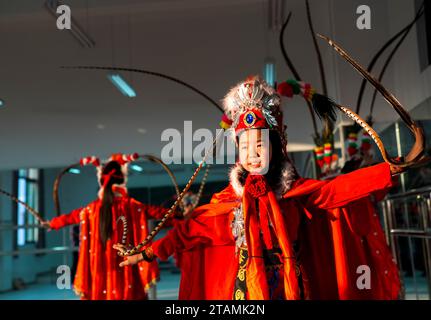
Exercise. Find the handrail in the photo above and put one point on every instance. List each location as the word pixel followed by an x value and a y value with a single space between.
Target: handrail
pixel 412 233
pixel 11 226
pixel 421 197
pixel 409 193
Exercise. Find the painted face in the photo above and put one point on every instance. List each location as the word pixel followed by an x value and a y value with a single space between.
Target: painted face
pixel 255 150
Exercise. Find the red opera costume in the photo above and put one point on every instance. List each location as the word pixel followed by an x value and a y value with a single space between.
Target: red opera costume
pixel 275 235
pixel 334 222
pixel 98 276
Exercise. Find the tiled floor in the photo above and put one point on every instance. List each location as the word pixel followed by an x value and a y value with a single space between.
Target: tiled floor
pixel 167 289
pixel 39 292
pixel 416 289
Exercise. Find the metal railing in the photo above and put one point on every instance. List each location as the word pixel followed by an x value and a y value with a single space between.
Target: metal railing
pixel 407 222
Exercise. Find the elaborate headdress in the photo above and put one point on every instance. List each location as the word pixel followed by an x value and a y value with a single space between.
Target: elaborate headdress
pixel 253 104
pixel 122 159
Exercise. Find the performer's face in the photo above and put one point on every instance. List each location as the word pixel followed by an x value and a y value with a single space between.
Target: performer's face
pixel 255 150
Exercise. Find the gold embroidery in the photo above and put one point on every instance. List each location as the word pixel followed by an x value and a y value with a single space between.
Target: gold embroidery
pixel 241 274
pixel 241 257
pixel 239 295
pixel 240 282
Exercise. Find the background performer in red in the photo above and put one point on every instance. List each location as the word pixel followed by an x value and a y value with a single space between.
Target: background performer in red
pixel 98 276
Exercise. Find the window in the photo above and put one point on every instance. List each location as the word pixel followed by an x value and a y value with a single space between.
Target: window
pixel 28 190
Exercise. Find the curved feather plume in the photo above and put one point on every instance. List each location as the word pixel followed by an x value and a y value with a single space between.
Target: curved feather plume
pixel 317 49
pixel 166 168
pixel 55 190
pixel 380 52
pixel 91 160
pixel 391 55
pixel 29 209
pixel 416 154
pixel 296 74
pixel 328 127
pixel 174 180
pixel 142 71
pixel 171 211
pixel 152 73
pixel 201 187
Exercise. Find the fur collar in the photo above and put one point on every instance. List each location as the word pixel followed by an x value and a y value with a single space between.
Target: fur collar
pixel 288 177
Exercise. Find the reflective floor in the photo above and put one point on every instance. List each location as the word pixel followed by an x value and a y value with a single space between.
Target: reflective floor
pixel 167 289
pixel 416 289
pixel 46 289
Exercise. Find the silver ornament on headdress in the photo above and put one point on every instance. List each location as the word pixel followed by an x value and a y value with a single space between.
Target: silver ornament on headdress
pixel 258 95
pixel 250 99
pixel 238 228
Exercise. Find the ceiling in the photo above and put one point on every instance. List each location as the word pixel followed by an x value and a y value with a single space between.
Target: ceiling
pixel 54 116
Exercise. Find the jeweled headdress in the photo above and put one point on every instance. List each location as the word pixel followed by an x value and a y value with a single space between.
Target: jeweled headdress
pixel 253 104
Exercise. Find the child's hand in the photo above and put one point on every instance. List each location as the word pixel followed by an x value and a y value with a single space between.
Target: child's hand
pixel 128 260
pixel 131 260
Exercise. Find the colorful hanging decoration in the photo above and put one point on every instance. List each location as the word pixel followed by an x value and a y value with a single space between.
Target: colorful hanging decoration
pixel 365 143
pixel 318 151
pixel 225 122
pixel 327 153
pixel 292 87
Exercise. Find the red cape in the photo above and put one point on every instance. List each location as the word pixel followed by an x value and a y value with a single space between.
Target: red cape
pixel 334 221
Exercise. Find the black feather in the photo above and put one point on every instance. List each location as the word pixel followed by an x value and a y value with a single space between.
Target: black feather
pixel 324 107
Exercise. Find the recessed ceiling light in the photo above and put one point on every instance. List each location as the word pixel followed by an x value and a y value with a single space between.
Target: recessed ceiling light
pixel 1 103
pixel 137 168
pixel 270 72
pixel 121 84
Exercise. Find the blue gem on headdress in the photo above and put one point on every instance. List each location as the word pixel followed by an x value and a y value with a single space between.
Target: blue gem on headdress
pixel 249 118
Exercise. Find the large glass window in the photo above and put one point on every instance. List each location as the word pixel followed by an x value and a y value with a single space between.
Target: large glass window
pixel 28 191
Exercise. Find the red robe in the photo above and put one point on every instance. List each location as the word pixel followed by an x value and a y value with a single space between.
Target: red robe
pixel 335 222
pixel 98 275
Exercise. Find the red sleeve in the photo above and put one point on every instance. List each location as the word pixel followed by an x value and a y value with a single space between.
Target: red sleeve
pixel 154 212
pixel 157 213
pixel 200 230
pixel 184 236
pixel 166 246
pixel 349 187
pixel 65 219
